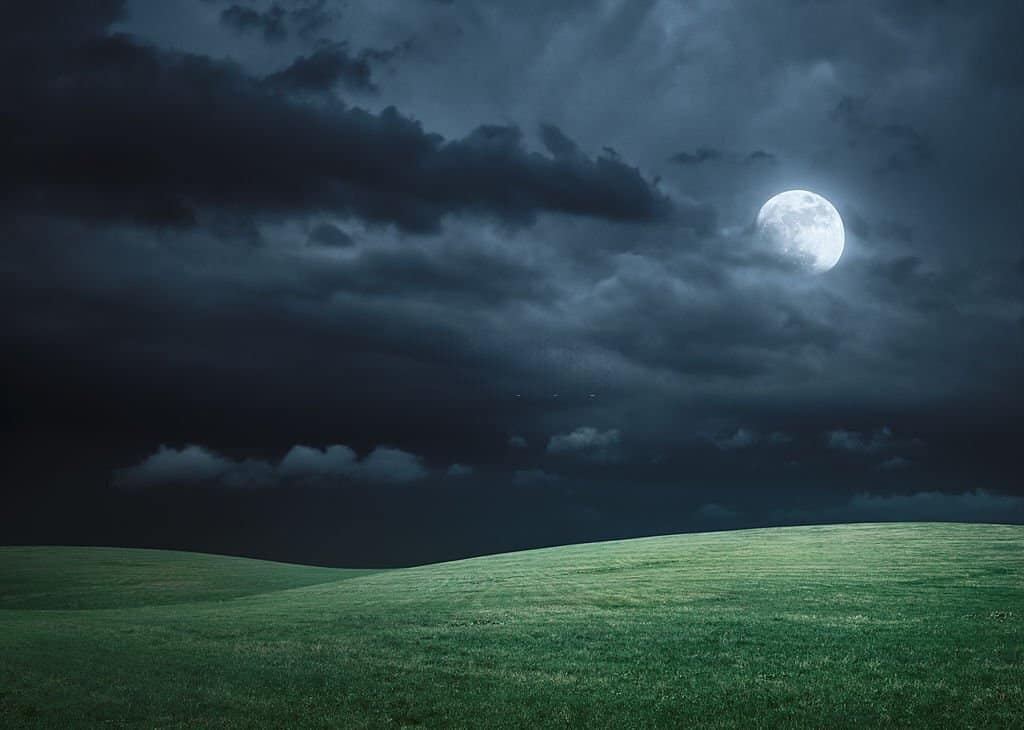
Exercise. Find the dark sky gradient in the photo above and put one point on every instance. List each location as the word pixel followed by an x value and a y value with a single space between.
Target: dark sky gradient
pixel 393 282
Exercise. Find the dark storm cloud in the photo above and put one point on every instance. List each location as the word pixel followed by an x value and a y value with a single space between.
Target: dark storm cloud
pixel 710 154
pixel 760 156
pixel 278 19
pixel 879 231
pixel 849 113
pixel 897 147
pixel 910 149
pixel 136 133
pixel 705 331
pixel 702 154
pixel 473 268
pixel 313 16
pixel 324 70
pixel 271 23
pixel 460 274
pixel 905 273
pixel 559 145
pixel 328 234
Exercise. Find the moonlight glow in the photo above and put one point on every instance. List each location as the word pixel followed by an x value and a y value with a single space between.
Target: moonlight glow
pixel 803 228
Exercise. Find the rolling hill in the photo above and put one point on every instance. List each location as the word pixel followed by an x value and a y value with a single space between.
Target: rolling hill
pixel 867 625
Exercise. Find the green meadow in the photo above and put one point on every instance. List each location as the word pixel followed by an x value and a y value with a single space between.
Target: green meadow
pixel 875 625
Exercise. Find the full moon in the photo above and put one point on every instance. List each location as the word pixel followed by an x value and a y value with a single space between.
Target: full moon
pixel 803 228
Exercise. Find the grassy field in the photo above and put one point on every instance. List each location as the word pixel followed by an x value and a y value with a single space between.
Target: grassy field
pixel 848 626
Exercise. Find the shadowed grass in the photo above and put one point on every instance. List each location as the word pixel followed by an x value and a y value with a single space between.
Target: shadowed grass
pixel 860 625
pixel 78 578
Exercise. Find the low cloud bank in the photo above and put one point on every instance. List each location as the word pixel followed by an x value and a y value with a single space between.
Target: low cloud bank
pixel 587 441
pixel 195 465
pixel 742 438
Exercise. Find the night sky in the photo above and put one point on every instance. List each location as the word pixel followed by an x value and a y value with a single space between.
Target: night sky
pixel 390 282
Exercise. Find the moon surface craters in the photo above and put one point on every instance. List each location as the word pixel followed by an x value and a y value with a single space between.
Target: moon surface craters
pixel 802 228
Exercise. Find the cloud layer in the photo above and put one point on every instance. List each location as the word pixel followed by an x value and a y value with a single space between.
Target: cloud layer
pixel 514 236
pixel 143 134
pixel 331 466
pixel 586 440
